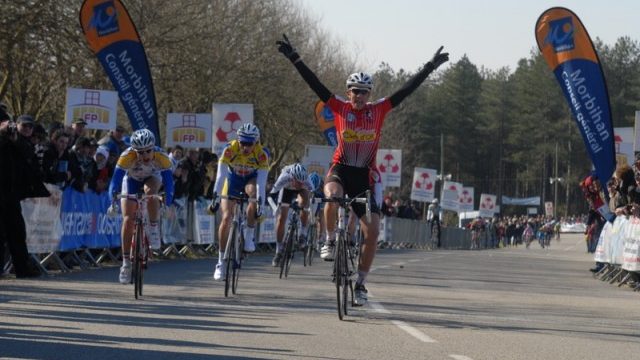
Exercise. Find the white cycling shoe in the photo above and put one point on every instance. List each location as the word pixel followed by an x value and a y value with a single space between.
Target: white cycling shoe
pixel 125 274
pixel 327 251
pixel 221 271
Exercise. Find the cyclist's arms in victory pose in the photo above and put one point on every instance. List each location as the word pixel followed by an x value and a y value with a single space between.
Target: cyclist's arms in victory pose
pixel 285 47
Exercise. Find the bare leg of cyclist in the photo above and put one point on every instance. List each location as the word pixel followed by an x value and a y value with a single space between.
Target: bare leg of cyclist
pixel 371 230
pixel 249 231
pixel 152 186
pixel 303 200
pixel 280 224
pixel 331 189
pixel 227 207
pixel 128 214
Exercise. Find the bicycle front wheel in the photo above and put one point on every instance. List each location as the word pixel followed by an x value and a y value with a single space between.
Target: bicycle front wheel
pixel 285 263
pixel 230 254
pixel 237 263
pixel 340 267
pixel 137 265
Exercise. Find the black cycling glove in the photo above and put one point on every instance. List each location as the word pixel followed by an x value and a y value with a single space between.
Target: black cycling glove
pixel 285 47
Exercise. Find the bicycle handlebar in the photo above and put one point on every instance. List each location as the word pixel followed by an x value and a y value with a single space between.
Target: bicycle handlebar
pixel 346 202
pixel 139 196
pixel 238 198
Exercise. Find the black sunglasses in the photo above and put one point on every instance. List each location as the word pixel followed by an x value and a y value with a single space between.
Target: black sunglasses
pixel 359 91
pixel 246 143
pixel 142 152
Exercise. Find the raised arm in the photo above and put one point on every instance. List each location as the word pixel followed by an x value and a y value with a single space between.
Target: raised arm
pixel 285 47
pixel 438 59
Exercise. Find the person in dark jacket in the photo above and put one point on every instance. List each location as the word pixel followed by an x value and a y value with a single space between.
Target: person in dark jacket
pixel 19 181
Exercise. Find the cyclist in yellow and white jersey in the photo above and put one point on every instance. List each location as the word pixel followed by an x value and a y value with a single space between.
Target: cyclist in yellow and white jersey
pixel 242 168
pixel 141 167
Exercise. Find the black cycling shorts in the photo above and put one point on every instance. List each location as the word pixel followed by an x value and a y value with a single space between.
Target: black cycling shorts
pixel 288 195
pixel 354 181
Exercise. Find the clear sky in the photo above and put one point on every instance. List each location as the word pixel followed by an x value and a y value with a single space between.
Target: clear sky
pixel 492 33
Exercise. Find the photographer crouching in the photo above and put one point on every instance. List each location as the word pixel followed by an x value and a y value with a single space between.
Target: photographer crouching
pixel 18 181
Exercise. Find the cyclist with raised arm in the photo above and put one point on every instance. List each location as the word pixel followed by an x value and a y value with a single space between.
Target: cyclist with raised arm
pixel 433 217
pixel 358 126
pixel 140 167
pixel 242 168
pixel 292 182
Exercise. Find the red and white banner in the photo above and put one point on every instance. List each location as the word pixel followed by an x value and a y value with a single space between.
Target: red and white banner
pixel 389 164
pixel 450 199
pixel 466 199
pixel 227 118
pixel 423 186
pixel 487 205
pixel 189 130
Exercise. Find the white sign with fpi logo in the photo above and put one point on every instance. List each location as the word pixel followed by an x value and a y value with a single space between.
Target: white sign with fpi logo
pixel 189 130
pixel 98 108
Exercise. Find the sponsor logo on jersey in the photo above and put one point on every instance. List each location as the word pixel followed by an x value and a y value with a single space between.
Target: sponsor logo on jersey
pixel 350 136
pixel 351 117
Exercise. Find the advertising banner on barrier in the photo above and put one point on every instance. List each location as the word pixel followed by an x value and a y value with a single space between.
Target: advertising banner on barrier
pixel 631 252
pixel 226 119
pixel 98 108
pixel 113 38
pixel 174 230
pixel 189 130
pixel 42 220
pixel 85 223
pixel 423 187
pixel 569 52
pixel 204 226
pixel 389 164
pixel 450 199
pixel 268 227
pixel 466 199
pixel 325 120
pixel 487 205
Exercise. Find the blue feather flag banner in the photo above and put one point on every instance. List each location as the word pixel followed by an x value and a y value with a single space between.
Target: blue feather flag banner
pixel 569 52
pixel 113 38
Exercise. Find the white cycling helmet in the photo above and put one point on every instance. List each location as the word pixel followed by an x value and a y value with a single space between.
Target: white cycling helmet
pixel 434 201
pixel 299 172
pixel 142 139
pixel 248 133
pixel 360 80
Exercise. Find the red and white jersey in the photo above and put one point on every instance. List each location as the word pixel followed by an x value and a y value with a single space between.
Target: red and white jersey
pixel 358 131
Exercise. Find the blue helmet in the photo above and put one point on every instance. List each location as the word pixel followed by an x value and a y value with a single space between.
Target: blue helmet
pixel 316 180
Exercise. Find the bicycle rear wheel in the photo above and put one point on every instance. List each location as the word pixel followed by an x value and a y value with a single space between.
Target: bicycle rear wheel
pixel 138 268
pixel 230 254
pixel 285 262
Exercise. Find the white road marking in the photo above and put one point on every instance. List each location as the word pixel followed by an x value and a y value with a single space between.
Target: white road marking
pixel 459 357
pixel 413 331
pixel 377 307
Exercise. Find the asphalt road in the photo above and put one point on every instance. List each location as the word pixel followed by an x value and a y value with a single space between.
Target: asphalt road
pixel 491 304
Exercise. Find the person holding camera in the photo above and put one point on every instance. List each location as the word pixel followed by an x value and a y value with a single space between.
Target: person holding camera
pixel 18 181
